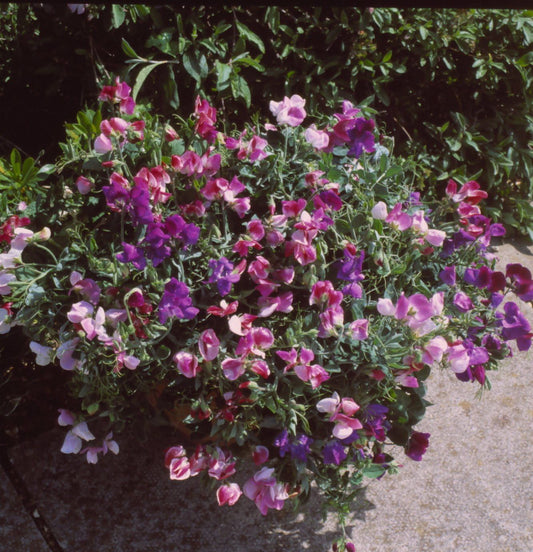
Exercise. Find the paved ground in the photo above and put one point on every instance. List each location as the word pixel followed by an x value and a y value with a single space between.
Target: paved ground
pixel 472 492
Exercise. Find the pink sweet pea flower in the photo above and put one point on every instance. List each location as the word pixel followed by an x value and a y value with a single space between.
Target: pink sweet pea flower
pixel 341 412
pixel 434 350
pixel 323 294
pixel 269 305
pixel 331 319
pixel 221 465
pixel 84 185
pixel 224 309
pixel 233 368
pixel 319 139
pixel 209 344
pixel 187 364
pixel 458 357
pixel 469 192
pixel 290 111
pixel 265 491
pixel 228 494
pixel 102 144
pixel 260 367
pixel 240 324
pixel 256 341
pixel 359 329
pixel 315 374
pixel 398 219
pixel 177 463
pixel 95 327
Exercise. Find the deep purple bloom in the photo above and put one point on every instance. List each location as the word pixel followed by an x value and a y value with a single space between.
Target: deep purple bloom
pixel 176 227
pixel 155 242
pixel 417 445
pixel 459 239
pixel 141 211
pixel 223 275
pixel 176 302
pixel 282 441
pixel 522 282
pixel 361 137
pixel 447 275
pixel 515 326
pixel 133 255
pixel 375 421
pixel 334 453
pixel 300 447
pixel 350 269
pixel 117 197
pixel 330 199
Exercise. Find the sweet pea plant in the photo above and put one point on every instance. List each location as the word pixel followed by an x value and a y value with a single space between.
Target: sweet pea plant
pixel 278 295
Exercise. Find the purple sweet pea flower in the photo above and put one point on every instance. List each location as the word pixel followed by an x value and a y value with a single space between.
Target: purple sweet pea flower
pixel 515 326
pixel 417 445
pixel 133 255
pixel 334 453
pixel 141 211
pixel 223 274
pixel 447 275
pixel 361 137
pixel 176 302
pixel 462 302
pixel 282 441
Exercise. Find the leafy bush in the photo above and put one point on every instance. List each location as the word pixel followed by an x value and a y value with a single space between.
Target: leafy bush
pixel 277 294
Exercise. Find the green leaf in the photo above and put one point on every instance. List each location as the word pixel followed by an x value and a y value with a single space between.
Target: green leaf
pixel 195 65
pixel 141 77
pixel 118 15
pixel 223 71
pixel 129 51
pixel 251 36
pixel 239 88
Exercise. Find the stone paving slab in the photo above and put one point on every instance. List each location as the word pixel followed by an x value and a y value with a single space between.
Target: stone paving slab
pixel 18 532
pixel 472 492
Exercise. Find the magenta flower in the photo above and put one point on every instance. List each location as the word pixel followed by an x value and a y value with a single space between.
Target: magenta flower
pixel 208 344
pixel 313 373
pixel 255 341
pixel 260 455
pixel 221 465
pixel 177 463
pixel 469 192
pixel 233 368
pixel 265 491
pixel 228 494
pixel 290 111
pixel 324 294
pixel 187 364
pixel 206 117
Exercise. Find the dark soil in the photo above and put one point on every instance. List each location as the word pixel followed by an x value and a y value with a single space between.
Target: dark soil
pixel 29 394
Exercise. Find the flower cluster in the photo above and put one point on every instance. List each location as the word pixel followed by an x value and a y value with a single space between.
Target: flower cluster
pixel 276 294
